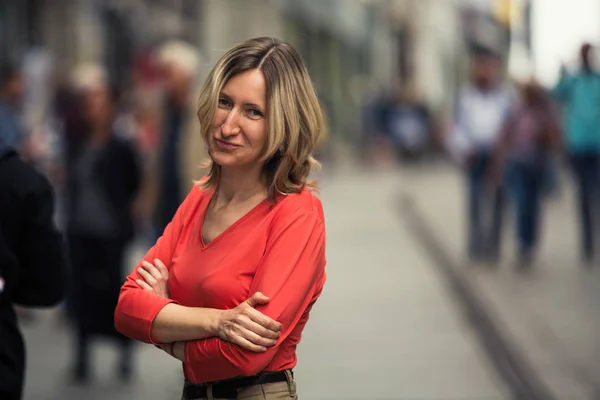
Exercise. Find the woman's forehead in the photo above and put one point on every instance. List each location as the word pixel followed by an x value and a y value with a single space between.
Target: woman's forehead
pixel 247 87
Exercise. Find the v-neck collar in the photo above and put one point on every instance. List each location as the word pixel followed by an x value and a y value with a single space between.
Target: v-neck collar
pixel 206 205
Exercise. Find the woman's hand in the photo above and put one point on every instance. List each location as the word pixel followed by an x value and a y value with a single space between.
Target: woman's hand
pixel 155 278
pixel 249 328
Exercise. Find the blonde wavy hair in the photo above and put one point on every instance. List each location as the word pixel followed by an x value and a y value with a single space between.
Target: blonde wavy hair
pixel 295 120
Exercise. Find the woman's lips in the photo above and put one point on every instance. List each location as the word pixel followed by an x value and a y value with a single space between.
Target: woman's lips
pixel 223 145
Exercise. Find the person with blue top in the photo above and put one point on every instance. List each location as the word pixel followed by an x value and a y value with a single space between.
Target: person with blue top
pixel 10 124
pixel 579 95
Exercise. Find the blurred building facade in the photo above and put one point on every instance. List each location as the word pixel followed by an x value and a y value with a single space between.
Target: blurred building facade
pixel 353 48
pixel 430 47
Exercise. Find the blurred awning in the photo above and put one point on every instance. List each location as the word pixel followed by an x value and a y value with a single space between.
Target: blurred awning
pixel 347 19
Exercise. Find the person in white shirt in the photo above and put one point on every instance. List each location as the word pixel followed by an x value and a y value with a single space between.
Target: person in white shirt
pixel 482 108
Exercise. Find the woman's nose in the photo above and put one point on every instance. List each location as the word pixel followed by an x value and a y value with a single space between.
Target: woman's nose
pixel 230 126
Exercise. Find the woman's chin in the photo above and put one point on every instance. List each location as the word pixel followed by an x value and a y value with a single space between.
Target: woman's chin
pixel 231 162
pixel 225 160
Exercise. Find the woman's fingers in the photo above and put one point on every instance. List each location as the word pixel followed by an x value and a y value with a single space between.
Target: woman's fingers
pixel 257 339
pixel 144 285
pixel 153 277
pixel 152 270
pixel 147 277
pixel 256 333
pixel 162 268
pixel 246 344
pixel 260 330
pixel 263 320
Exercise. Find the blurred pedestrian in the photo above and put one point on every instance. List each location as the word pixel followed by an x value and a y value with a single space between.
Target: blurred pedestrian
pixel 409 124
pixel 11 93
pixel 33 263
pixel 139 124
pixel 253 229
pixel 579 95
pixel 482 107
pixel 175 165
pixel 529 140
pixel 102 182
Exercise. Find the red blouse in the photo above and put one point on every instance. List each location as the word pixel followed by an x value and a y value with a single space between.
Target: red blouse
pixel 277 249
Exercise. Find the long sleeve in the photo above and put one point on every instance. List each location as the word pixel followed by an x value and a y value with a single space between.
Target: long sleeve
pixel 291 273
pixel 41 253
pixel 137 308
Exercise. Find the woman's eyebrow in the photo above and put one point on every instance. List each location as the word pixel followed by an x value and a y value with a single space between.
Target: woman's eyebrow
pixel 253 105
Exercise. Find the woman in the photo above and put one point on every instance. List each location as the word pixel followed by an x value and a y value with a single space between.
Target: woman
pixel 251 229
pixel 102 182
pixel 530 135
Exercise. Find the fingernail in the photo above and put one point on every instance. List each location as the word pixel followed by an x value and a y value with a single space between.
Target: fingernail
pixel 140 269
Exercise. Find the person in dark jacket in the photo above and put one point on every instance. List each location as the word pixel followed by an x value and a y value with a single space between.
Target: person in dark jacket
pixel 33 264
pixel 103 177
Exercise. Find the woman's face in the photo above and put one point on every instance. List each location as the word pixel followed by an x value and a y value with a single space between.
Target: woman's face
pixel 238 134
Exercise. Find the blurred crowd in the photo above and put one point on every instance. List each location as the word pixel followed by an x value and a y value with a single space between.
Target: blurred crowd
pixel 511 137
pixel 120 160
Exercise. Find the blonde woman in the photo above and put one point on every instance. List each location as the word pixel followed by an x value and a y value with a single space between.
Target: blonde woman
pixel 228 287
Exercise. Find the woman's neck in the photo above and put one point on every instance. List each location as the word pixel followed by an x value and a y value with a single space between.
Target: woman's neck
pixel 239 186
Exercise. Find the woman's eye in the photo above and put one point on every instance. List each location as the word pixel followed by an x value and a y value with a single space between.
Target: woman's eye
pixel 224 102
pixel 255 113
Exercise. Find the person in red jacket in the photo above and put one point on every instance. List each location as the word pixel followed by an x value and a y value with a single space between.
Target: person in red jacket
pixel 228 287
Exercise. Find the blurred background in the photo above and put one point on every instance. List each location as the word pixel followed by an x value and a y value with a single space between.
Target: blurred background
pixel 459 180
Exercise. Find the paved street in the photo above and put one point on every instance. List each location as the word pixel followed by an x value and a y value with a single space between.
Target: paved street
pixel 387 327
pixel 552 313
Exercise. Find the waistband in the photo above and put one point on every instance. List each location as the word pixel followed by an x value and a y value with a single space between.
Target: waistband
pixel 228 389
